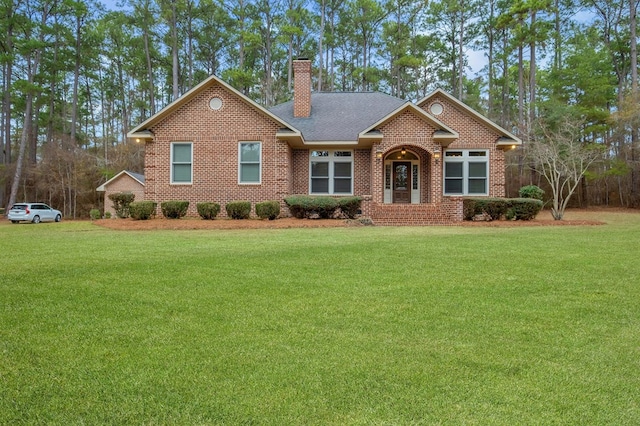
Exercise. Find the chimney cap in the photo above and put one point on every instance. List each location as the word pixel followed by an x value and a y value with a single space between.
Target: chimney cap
pixel 302 59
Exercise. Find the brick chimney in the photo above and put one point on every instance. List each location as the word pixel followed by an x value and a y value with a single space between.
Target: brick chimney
pixel 301 88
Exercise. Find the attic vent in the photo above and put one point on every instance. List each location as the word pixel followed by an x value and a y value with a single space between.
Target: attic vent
pixel 215 104
pixel 436 108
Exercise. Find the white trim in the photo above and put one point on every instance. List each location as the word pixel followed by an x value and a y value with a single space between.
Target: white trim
pixel 465 160
pixel 331 160
pixel 172 182
pixel 240 163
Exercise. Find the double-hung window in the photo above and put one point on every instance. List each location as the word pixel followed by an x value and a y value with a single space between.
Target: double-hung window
pixel 182 162
pixel 331 172
pixel 249 164
pixel 466 172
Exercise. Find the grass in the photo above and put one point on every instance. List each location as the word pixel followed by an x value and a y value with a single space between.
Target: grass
pixel 434 325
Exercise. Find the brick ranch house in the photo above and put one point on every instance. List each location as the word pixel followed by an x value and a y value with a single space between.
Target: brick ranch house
pixel 410 162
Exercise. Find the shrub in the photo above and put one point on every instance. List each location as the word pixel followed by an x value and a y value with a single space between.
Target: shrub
pixel 121 201
pixel 143 210
pixel 174 209
pixel 268 210
pixel 350 206
pixel 107 215
pixel 299 205
pixel 238 209
pixel 524 208
pixel 304 206
pixel 325 207
pixel 495 208
pixel 94 214
pixel 531 191
pixel 208 211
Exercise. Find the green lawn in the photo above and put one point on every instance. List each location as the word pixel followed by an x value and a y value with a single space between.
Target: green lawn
pixel 370 325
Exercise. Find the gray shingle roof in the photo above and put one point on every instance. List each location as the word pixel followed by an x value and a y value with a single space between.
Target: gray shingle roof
pixel 339 116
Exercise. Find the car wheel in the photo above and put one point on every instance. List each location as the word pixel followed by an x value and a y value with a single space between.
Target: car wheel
pixel 15 221
pixel 36 219
pixel 58 218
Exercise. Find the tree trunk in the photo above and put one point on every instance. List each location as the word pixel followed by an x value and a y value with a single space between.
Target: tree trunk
pixel 635 190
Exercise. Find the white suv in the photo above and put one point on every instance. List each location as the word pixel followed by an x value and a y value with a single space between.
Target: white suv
pixel 33 212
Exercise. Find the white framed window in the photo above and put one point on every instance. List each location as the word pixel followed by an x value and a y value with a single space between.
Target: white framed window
pixel 466 172
pixel 331 172
pixel 250 162
pixel 182 163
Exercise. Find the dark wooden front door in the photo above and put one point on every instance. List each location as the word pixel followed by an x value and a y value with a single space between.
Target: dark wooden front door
pixel 401 182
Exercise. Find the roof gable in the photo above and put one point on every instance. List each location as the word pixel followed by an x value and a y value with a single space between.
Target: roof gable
pixel 443 133
pixel 142 131
pixel 507 139
pixel 135 176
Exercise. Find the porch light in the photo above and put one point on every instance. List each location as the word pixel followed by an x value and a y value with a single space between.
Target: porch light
pixel 379 153
pixel 436 156
pixel 403 151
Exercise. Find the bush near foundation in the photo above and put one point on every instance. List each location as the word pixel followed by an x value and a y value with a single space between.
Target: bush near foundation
pixel 208 211
pixel 174 209
pixel 142 210
pixel 306 206
pixel 121 201
pixel 238 209
pixel 496 208
pixel 268 210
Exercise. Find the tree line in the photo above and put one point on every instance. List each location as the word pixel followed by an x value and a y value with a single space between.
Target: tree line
pixel 77 76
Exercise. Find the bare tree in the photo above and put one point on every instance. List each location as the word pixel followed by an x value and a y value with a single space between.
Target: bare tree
pixel 559 155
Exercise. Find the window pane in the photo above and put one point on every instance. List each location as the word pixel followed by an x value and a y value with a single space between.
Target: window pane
pixel 182 172
pixel 453 170
pixel 250 152
pixel 477 154
pixel 342 169
pixel 181 153
pixel 342 154
pixel 478 170
pixel 320 185
pixel 319 153
pixel 477 186
pixel 319 169
pixel 342 186
pixel 453 154
pixel 249 173
pixel 453 186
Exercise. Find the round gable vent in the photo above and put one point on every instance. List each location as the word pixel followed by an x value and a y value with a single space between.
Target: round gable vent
pixel 215 104
pixel 436 108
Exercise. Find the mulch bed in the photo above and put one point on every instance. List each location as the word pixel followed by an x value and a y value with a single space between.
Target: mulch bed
pixel 576 218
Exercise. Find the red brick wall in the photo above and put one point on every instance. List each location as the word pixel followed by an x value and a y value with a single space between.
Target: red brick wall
pixel 215 136
pixel 473 134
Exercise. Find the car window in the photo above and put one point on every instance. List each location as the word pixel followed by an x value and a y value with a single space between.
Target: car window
pixel 19 207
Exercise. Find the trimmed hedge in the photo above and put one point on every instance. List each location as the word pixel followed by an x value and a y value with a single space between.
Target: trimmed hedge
pixel 306 206
pixel 238 209
pixel 94 214
pixel 496 208
pixel 143 210
pixel 350 206
pixel 174 209
pixel 208 211
pixel 268 210
pixel 524 208
pixel 121 201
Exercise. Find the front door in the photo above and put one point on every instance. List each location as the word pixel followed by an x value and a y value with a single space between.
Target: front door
pixel 401 182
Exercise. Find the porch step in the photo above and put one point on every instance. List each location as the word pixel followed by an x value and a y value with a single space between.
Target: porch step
pixel 412 214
